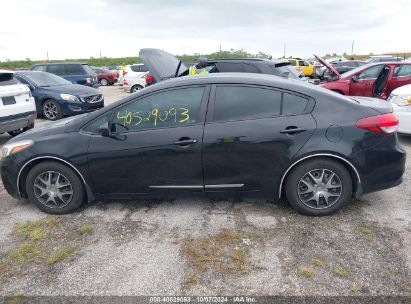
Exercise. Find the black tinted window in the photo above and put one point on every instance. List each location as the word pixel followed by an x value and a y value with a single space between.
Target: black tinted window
pixel 234 103
pixel 94 127
pixel 248 68
pixel 227 67
pixel 74 69
pixel 7 79
pixel 138 68
pixel 293 104
pixel 57 69
pixel 178 107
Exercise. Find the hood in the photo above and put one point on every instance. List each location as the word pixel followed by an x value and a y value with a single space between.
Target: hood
pixel 404 90
pixel 73 89
pixel 328 65
pixel 161 64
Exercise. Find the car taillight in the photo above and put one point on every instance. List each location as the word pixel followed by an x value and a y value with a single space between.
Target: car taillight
pixel 384 124
pixel 149 78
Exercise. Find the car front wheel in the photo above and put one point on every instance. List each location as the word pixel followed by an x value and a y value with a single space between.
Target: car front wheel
pixel 136 88
pixel 52 110
pixel 103 82
pixel 318 187
pixel 54 188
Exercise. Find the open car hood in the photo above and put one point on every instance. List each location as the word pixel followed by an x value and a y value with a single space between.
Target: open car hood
pixel 161 64
pixel 328 66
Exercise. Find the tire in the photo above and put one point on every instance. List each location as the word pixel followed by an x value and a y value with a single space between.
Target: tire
pixel 38 188
pixel 52 110
pixel 136 88
pixel 103 82
pixel 299 183
pixel 19 131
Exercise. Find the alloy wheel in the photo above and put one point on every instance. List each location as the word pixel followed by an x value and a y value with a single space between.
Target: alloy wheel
pixel 103 82
pixel 50 110
pixel 53 189
pixel 319 188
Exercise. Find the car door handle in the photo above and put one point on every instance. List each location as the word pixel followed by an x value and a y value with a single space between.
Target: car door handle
pixel 185 142
pixel 292 130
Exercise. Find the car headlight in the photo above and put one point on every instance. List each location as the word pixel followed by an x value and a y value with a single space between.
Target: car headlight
pixel 69 97
pixel 401 100
pixel 16 147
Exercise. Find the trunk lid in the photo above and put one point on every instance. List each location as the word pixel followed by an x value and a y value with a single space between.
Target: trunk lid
pixel 328 65
pixel 161 64
pixel 381 106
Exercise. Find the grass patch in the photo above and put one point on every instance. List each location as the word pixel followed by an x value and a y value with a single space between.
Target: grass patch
pixel 367 232
pixel 341 272
pixel 223 253
pixel 37 230
pixel 86 229
pixel 26 252
pixel 392 271
pixel 307 272
pixel 355 288
pixel 5 271
pixel 60 255
pixel 318 262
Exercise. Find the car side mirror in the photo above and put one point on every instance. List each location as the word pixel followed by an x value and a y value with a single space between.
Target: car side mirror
pixel 355 78
pixel 104 130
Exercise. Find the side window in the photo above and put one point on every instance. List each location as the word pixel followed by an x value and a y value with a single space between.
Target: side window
pixel 172 108
pixel 293 63
pixel 302 63
pixel 236 103
pixel 293 104
pixel 41 68
pixel 248 68
pixel 402 70
pixel 371 73
pixel 227 67
pixel 74 69
pixel 57 69
pixel 94 127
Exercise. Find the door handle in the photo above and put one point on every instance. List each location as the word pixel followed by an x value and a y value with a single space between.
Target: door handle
pixel 292 130
pixel 185 142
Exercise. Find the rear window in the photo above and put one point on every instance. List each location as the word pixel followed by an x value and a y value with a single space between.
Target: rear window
pixel 88 70
pixel 7 79
pixel 57 69
pixel 138 68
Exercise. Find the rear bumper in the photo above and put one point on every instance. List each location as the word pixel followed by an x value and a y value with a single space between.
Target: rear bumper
pixel 15 122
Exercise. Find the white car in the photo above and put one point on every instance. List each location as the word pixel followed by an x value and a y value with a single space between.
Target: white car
pixel 135 69
pixel 134 82
pixel 400 99
pixel 17 106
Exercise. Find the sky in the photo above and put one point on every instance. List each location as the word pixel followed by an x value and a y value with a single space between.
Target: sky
pixel 120 28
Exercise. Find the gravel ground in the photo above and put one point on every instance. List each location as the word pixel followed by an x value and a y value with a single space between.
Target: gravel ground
pixel 208 247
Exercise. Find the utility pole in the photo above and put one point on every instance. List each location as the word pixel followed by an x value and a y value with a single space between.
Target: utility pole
pixel 100 53
pixel 285 48
pixel 352 48
pixel 220 48
pixel 47 56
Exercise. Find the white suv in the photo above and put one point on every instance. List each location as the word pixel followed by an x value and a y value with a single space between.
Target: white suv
pixel 17 106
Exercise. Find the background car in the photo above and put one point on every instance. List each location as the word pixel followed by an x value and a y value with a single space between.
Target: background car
pixel 371 80
pixel 77 73
pixel 400 99
pixel 383 58
pixel 106 77
pixel 133 83
pixel 302 65
pixel 17 107
pixel 342 67
pixel 56 97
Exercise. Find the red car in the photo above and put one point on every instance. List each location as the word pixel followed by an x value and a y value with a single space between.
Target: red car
pixel 106 77
pixel 371 80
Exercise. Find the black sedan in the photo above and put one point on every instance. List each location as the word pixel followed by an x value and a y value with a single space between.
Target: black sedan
pixel 230 134
pixel 56 97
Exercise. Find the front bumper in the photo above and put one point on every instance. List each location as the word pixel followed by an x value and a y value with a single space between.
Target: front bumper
pixel 17 122
pixel 9 173
pixel 74 108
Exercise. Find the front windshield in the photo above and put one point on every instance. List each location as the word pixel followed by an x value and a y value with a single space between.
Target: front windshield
pixel 44 79
pixel 355 71
pixel 286 71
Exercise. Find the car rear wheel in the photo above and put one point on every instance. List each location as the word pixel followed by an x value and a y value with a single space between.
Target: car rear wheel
pixel 103 82
pixel 19 131
pixel 54 188
pixel 52 110
pixel 318 187
pixel 136 88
